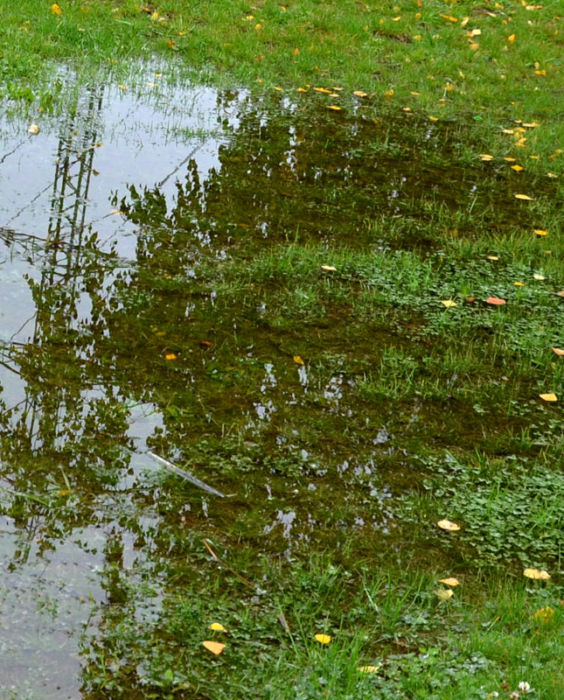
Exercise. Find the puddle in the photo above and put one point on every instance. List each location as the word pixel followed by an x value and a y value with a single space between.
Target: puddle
pixel 111 346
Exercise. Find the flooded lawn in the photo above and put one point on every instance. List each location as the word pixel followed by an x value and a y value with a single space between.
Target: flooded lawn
pixel 254 290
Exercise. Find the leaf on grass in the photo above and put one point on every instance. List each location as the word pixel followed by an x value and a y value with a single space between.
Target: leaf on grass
pixel 449 18
pixel 451 581
pixel 33 129
pixel 298 360
pixel 217 627
pixel 558 351
pixel 369 669
pixel 486 156
pixel 323 90
pixel 322 638
pixel 360 93
pixel 282 620
pixel 335 108
pixel 215 647
pixel 517 168
pixel 536 574
pixel 538 277
pixel 525 197
pixel 448 525
pixel 560 293
pixel 448 303
pixel 171 356
pixel 550 397
pixel 389 93
pixel 495 301
pixel 444 593
pixel 329 268
pixel 519 284
pixel 540 232
pixel 493 257
pixel 206 343
pixel 544 614
pixel 55 9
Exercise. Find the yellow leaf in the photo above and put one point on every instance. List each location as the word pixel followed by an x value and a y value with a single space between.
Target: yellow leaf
pixel 508 131
pixel 215 647
pixel 335 108
pixel 509 159
pixel 324 90
pixel 360 93
pixel 475 32
pixel 524 197
pixel 64 492
pixel 486 156
pixel 544 614
pixel 369 669
pixel 538 277
pixel 217 627
pixel 33 129
pixel 55 9
pixel 474 45
pixel 279 89
pixel 329 268
pixel 558 351
pixel 448 525
pixel 517 168
pixel 537 575
pixel 322 638
pixel 296 52
pixel 519 284
pixel 493 257
pixel 449 18
pixel 444 593
pixel 540 232
pixel 171 356
pixel 298 360
pixel 301 89
pixel 122 87
pixel 511 38
pixel 551 398
pixel 389 93
pixel 450 581
pixel 448 303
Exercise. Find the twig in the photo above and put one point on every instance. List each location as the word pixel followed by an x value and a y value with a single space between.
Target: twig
pixel 186 475
pixel 220 561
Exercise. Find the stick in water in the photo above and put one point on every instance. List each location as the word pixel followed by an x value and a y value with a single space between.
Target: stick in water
pixel 186 475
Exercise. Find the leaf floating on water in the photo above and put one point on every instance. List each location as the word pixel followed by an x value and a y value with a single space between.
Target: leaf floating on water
pixel 558 351
pixel 33 129
pixel 369 669
pixel 217 627
pixel 448 303
pixel 298 360
pixel 322 638
pixel 536 574
pixel 215 647
pixel 495 301
pixel 550 397
pixel 451 581
pixel 329 268
pixel 444 593
pixel 448 525
pixel 524 197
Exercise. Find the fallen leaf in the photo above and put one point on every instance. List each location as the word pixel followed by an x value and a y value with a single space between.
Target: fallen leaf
pixel 448 525
pixel 544 614
pixel 369 669
pixel 33 129
pixel 282 620
pixel 470 300
pixel 360 93
pixel 322 638
pixel 335 108
pixel 486 156
pixel 329 268
pixel 298 360
pixel 508 158
pixel 171 356
pixel 540 232
pixel 433 118
pixel 511 38
pixel 206 343
pixel 492 257
pixel 524 197
pixel 448 303
pixel 389 93
pixel 560 293
pixel 215 647
pixel 55 9
pixel 517 168
pixel 217 627
pixel 450 581
pixel 558 351
pixel 538 277
pixel 324 90
pixel 444 593
pixel 537 575
pixel 519 284
pixel 551 397
pixel 449 18
pixel 495 301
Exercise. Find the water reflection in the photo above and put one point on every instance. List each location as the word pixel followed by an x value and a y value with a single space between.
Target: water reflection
pixel 115 340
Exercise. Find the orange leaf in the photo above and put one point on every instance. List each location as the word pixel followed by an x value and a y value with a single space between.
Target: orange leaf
pixel 558 351
pixel 495 301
